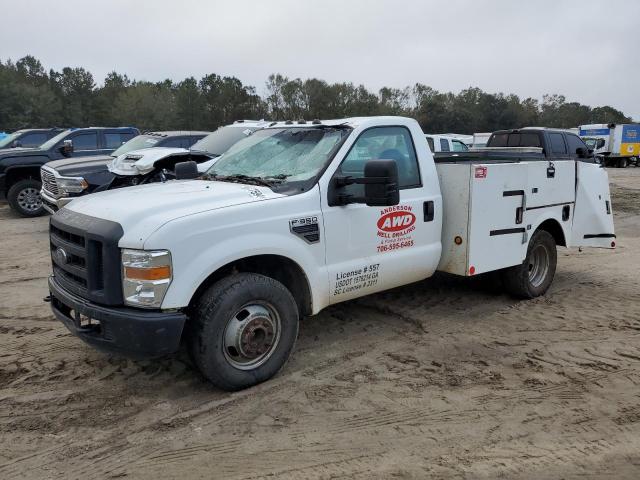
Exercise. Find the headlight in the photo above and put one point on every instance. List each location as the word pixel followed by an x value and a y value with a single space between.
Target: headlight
pixel 71 184
pixel 146 276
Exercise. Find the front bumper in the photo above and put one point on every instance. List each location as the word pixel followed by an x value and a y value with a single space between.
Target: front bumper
pixel 52 204
pixel 132 332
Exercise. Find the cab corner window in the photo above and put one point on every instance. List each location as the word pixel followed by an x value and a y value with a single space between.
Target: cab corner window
pixel 444 145
pixel 383 143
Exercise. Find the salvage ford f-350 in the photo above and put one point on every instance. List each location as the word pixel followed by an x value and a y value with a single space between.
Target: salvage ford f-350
pixel 297 217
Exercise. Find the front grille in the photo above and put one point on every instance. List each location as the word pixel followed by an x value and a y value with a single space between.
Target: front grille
pixel 69 257
pixel 86 257
pixel 49 183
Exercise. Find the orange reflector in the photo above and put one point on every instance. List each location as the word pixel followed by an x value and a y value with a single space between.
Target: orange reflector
pixel 458 240
pixel 153 273
pixel 613 244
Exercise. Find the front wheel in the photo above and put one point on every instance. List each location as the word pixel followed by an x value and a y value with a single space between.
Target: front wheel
pixel 24 198
pixel 533 277
pixel 243 330
pixel 622 163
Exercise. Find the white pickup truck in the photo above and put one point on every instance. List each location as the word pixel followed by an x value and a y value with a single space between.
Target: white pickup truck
pixel 300 216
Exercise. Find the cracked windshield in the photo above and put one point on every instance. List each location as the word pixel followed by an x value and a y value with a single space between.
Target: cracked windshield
pixel 278 155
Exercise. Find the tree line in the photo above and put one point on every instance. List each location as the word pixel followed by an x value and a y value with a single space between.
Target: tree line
pixel 32 97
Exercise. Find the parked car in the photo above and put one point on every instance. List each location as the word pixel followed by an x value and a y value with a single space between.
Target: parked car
pixel 617 144
pixel 154 165
pixel 445 143
pixel 64 180
pixel 28 138
pixel 300 216
pixel 20 168
pixel 555 144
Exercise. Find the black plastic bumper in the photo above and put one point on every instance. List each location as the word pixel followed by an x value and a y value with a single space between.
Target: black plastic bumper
pixel 128 331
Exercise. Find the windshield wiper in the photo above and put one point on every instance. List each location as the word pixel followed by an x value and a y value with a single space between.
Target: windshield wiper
pixel 280 176
pixel 239 178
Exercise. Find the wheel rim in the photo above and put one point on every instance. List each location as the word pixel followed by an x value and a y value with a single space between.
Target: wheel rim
pixel 538 265
pixel 251 336
pixel 29 199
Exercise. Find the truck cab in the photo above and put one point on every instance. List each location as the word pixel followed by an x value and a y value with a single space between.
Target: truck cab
pixel 445 143
pixel 556 144
pixel 300 216
pixel 28 137
pixel 20 167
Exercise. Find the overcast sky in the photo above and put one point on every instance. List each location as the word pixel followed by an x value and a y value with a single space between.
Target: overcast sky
pixel 588 50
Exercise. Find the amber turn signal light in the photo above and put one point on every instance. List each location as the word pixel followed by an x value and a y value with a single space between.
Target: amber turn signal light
pixel 152 273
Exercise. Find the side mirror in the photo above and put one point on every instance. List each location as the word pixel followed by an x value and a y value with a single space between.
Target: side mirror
pixel 186 170
pixel 381 183
pixel 582 152
pixel 600 143
pixel 67 147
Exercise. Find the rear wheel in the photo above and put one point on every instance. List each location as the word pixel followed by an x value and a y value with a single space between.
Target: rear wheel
pixel 533 277
pixel 243 330
pixel 24 198
pixel 622 163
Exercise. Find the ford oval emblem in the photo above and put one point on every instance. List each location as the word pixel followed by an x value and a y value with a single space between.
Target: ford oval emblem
pixel 61 256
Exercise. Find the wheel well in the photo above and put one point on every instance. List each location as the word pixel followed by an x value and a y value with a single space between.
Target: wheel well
pixel 280 268
pixel 553 227
pixel 21 173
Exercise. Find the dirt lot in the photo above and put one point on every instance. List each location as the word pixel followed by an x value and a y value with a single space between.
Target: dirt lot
pixel 447 378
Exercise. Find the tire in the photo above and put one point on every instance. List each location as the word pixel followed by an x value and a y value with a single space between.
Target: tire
pixel 533 277
pixel 24 198
pixel 243 329
pixel 622 163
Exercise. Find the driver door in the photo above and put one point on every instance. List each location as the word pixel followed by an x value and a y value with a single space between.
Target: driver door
pixel 369 249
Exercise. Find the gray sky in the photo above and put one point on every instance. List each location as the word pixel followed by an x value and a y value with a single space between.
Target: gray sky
pixel 588 50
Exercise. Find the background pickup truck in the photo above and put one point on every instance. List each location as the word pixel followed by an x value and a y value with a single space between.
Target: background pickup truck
pixel 28 138
pixel 20 167
pixel 300 216
pixel 64 180
pixel 443 143
pixel 555 144
pixel 148 166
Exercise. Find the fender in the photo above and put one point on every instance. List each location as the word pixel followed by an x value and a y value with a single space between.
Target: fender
pixel 193 270
pixel 538 216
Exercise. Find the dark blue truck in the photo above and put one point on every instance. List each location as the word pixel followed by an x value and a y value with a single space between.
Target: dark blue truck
pixel 20 167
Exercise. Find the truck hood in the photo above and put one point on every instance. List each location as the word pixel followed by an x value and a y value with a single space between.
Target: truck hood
pixel 143 209
pixel 141 162
pixel 72 167
pixel 21 152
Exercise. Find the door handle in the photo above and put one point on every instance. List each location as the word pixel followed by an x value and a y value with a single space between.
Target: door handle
pixel 428 208
pixel 551 170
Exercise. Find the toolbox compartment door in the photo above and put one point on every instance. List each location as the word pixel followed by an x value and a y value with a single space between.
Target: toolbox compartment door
pixel 593 213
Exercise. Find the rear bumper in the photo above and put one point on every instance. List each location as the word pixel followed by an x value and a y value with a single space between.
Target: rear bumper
pixel 131 332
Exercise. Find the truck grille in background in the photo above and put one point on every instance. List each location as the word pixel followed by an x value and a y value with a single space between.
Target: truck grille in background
pixel 49 184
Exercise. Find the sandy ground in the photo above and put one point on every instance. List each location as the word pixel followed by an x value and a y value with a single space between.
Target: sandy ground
pixel 447 378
